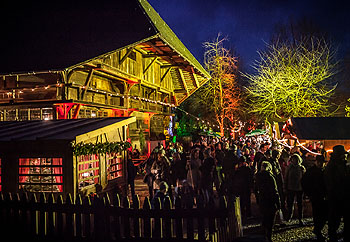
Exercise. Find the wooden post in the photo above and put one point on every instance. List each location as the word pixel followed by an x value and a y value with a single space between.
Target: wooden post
pixel 190 231
pixel 167 221
pixel 51 216
pixel 157 220
pixel 126 219
pixel 116 218
pixel 106 216
pixel 78 215
pixel 147 228
pixel 86 217
pixel 42 218
pixel 136 220
pixel 59 215
pixel 212 227
pixel 178 220
pixel 69 216
pixel 201 228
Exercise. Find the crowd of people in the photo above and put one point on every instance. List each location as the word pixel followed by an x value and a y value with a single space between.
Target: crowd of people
pixel 276 175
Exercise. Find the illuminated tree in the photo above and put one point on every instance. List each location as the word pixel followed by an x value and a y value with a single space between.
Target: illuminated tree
pixel 220 95
pixel 292 81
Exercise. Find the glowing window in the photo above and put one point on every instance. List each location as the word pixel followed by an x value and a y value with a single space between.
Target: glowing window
pixel 40 174
pixel 88 170
pixel 114 166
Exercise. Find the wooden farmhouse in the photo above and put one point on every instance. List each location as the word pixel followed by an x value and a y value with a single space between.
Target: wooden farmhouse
pixel 37 156
pixel 109 59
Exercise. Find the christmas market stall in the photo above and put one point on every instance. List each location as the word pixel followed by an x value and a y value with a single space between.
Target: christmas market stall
pixel 316 134
pixel 64 156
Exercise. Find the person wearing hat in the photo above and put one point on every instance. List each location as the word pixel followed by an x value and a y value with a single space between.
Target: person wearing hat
pixel 336 178
pixel 314 186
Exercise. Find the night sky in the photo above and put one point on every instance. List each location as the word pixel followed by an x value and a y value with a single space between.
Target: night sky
pixel 249 24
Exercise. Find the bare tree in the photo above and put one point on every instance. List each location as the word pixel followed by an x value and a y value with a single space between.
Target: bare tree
pixel 292 80
pixel 220 96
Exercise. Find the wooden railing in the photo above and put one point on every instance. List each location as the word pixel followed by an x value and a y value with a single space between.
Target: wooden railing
pixel 100 219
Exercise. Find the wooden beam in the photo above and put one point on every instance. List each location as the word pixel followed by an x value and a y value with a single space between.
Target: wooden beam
pixel 182 77
pixel 150 64
pixel 195 77
pixel 128 52
pixel 87 83
pixel 167 71
pixel 155 48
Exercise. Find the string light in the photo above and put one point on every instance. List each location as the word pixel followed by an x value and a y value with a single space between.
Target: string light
pixel 116 95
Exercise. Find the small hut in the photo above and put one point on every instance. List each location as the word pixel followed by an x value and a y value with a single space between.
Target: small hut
pixel 311 132
pixel 38 156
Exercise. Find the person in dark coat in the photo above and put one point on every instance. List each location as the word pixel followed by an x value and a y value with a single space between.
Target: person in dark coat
pixel 162 193
pixel 336 179
pixel 260 156
pixel 149 177
pixel 277 173
pixel 243 182
pixel 314 186
pixel 294 174
pixel 207 179
pixel 267 197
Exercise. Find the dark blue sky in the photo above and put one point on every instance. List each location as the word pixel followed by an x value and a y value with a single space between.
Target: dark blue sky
pixel 248 24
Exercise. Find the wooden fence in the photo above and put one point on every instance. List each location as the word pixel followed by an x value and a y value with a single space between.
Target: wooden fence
pixel 99 219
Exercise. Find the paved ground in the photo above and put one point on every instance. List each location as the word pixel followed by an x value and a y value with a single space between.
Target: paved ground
pixel 252 229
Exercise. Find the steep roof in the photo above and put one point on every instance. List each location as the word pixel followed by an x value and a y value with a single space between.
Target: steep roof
pixel 54 35
pixel 65 129
pixel 322 128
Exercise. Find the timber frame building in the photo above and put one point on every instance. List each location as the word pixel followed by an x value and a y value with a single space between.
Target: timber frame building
pixel 114 60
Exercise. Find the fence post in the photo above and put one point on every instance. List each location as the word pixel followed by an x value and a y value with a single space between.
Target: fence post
pixel 42 218
pixel 9 219
pixel 201 222
pixel 106 216
pixel 86 217
pixel 126 219
pixel 178 220
pixel 147 229
pixel 69 216
pixel 99 225
pixel 51 216
pixel 59 215
pixel 190 235
pixel 238 218
pixel 34 215
pixel 116 217
pixel 24 202
pixel 158 228
pixel 223 228
pixel 212 227
pixel 167 220
pixel 78 215
pixel 136 219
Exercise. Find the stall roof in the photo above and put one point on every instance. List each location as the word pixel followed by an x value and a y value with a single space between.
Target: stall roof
pixel 67 129
pixel 322 128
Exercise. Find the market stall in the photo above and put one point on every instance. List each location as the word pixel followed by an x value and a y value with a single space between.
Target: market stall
pixel 317 134
pixel 64 156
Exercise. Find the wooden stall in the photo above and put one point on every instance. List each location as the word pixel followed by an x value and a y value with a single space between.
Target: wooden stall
pixel 37 156
pixel 316 133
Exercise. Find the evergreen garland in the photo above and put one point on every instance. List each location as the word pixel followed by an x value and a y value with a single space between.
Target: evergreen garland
pixel 99 148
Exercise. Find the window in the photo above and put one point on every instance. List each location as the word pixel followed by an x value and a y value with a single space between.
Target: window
pixel 47 113
pixel 88 170
pixel 114 166
pixel 40 174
